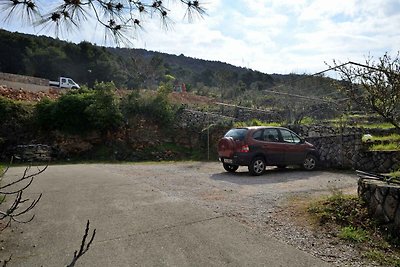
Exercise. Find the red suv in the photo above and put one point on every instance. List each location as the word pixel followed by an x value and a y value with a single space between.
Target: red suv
pixel 257 147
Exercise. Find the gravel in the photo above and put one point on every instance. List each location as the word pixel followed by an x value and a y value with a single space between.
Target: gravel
pixel 271 203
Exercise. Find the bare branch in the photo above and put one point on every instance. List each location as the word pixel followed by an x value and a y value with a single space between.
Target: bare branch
pixel 24 177
pixel 84 246
pixel 18 207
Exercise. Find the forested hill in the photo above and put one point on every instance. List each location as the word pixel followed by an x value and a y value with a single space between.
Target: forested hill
pixel 86 63
pixel 46 57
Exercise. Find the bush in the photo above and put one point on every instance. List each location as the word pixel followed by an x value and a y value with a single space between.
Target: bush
pixel 156 108
pixel 12 112
pixel 103 111
pixel 69 112
pixel 341 209
pixel 15 120
pixel 44 114
pixel 81 111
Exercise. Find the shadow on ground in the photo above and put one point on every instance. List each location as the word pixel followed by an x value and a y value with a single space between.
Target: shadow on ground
pixel 271 175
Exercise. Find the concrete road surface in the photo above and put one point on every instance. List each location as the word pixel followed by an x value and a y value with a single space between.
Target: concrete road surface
pixel 138 222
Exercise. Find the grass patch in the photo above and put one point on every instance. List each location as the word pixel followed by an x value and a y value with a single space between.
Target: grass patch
pixel 255 122
pixel 307 121
pixel 392 137
pixel 385 147
pixel 382 258
pixel 349 218
pixel 344 210
pixel 395 174
pixel 353 234
pixel 383 125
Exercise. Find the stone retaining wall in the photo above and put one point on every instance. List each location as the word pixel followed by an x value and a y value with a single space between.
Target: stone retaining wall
pixel 196 119
pixel 23 79
pixel 326 130
pixel 194 128
pixel 383 201
pixel 246 114
pixel 348 151
pixel 33 152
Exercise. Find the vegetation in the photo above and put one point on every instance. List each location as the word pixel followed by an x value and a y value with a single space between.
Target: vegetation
pixel 81 111
pixel 140 69
pixel 385 147
pixel 395 174
pixel 349 216
pixel 255 122
pixel 353 234
pixel 374 86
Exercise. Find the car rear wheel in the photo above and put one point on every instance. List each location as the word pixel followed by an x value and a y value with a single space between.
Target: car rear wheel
pixel 310 163
pixel 230 167
pixel 257 166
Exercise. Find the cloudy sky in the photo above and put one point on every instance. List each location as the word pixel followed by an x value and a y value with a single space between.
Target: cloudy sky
pixel 272 36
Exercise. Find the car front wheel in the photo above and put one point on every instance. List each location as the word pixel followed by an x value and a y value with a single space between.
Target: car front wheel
pixel 257 166
pixel 310 163
pixel 230 168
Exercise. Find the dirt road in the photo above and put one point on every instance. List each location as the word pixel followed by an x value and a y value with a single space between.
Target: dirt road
pixel 170 214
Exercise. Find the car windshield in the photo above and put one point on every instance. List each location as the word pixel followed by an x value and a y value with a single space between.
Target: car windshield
pixel 237 134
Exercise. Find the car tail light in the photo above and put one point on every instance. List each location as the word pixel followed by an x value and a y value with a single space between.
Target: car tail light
pixel 244 149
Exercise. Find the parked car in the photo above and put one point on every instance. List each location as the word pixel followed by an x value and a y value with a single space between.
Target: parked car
pixel 261 146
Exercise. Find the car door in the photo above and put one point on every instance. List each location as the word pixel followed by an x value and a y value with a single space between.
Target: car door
pixel 271 146
pixel 294 150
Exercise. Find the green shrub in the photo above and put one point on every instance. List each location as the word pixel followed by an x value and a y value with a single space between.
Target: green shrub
pixel 81 110
pixel 44 114
pixel 156 108
pixel 69 112
pixel 131 104
pixel 103 111
pixel 14 112
pixel 353 234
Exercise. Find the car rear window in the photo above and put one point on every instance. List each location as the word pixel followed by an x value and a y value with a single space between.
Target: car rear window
pixel 237 134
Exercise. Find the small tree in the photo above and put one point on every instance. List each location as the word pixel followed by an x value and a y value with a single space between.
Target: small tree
pixel 374 86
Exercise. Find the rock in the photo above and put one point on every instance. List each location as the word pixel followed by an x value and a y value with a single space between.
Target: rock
pixel 389 207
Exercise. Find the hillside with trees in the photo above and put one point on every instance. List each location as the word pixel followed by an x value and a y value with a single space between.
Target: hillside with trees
pixel 135 69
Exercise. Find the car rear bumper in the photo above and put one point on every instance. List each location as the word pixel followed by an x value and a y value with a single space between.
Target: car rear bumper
pixel 241 159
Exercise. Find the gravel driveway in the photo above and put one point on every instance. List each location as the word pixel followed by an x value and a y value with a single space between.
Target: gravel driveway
pixel 264 204
pixel 267 203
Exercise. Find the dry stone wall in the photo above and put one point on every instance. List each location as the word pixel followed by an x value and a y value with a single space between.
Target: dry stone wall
pixel 383 201
pixel 246 114
pixel 23 79
pixel 327 130
pixel 199 120
pixel 195 129
pixel 29 83
pixel 348 151
pixel 34 152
